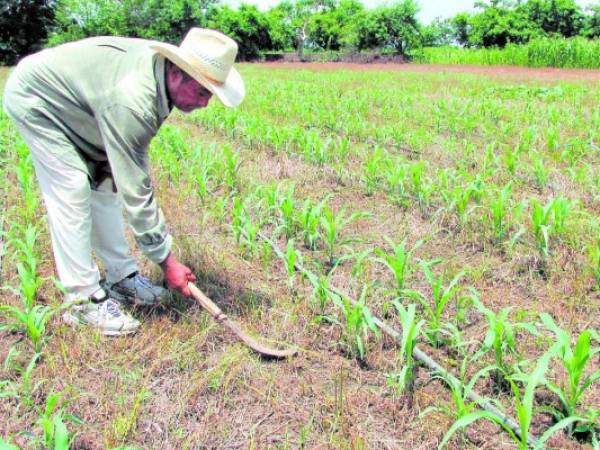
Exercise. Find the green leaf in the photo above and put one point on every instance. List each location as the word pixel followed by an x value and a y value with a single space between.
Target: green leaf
pixel 468 420
pixel 61 434
pixel 553 429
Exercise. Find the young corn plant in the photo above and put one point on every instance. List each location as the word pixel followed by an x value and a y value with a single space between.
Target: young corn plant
pixel 56 434
pixel 202 172
pixel 404 380
pixel 574 361
pixel 594 255
pixel 462 387
pixel 230 168
pixel 548 220
pixel 287 214
pixel 291 258
pixel 322 293
pixel 23 392
pixel 397 262
pixel 371 173
pixel 440 296
pixel 500 208
pixel 332 226
pixel 511 158
pixel 360 261
pixel 540 171
pixel 524 405
pixel 500 338
pixel 30 321
pixel 396 175
pixel 419 185
pixel 458 200
pixel 309 222
pixel 25 245
pixel 25 176
pixel 357 325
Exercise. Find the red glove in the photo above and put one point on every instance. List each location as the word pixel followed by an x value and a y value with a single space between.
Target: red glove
pixel 177 275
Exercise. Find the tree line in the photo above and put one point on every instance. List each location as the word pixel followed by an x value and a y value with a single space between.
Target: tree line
pixel 292 25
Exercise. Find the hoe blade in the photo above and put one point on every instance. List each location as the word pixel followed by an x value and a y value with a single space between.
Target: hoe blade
pixel 220 317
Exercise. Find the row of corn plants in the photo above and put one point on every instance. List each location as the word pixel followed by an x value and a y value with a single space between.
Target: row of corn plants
pixel 317 228
pixel 26 316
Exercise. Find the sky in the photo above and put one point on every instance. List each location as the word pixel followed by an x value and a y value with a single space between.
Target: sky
pixel 430 9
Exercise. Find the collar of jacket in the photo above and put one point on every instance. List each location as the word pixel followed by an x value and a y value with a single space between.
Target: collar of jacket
pixel 164 108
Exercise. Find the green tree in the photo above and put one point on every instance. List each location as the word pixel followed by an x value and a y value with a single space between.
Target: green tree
pixel 247 26
pixel 394 27
pixel 440 32
pixel 23 27
pixel 163 20
pixel 461 25
pixel 498 24
pixel 591 28
pixel 298 14
pixel 283 35
pixel 559 17
pixel 333 28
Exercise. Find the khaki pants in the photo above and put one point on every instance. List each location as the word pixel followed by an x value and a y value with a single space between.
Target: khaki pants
pixel 80 219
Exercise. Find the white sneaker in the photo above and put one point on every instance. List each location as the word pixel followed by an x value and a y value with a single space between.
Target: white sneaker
pixel 103 313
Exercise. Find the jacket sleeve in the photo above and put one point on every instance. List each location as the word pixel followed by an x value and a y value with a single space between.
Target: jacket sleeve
pixel 126 135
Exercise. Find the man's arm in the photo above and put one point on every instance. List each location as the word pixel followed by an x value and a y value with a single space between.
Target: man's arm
pixel 126 135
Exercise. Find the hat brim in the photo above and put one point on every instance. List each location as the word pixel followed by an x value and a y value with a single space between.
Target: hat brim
pixel 231 92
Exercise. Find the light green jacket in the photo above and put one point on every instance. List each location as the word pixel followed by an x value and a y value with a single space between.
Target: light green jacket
pixel 108 96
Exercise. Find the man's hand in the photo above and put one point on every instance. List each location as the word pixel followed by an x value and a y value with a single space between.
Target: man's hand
pixel 177 275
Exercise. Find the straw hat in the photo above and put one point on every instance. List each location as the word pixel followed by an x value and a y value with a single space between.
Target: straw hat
pixel 208 57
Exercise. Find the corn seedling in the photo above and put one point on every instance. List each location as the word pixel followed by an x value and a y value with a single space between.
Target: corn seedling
pixel 524 405
pixel 309 222
pixel 397 261
pixel 440 296
pixel 322 293
pixel 541 221
pixel 230 168
pixel 360 258
pixel 548 220
pixel 29 321
pixel 287 214
pixel 202 171
pixel 510 158
pixel 594 254
pixel 418 182
pixel 358 322
pixel 25 390
pixel 574 361
pixel 290 258
pixel 371 174
pixel 56 435
pixel 245 230
pixel 396 174
pixel 500 338
pixel 458 199
pixel 499 208
pixel 403 381
pixel 25 244
pixel 540 171
pixel 462 387
pixel 332 226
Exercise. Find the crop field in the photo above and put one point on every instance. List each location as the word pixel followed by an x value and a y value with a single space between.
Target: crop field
pixel 459 207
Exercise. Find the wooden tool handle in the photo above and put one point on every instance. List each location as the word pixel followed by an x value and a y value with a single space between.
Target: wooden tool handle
pixel 220 317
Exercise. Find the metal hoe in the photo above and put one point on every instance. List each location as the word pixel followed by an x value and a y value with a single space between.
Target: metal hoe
pixel 222 318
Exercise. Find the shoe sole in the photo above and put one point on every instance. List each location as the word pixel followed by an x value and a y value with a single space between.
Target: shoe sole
pixel 74 322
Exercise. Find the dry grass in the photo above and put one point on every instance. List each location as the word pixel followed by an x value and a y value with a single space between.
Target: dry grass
pixel 182 382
